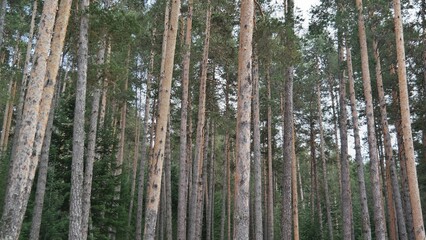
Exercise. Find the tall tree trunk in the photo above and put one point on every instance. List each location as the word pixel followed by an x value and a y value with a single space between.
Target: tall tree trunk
pixel 211 187
pixel 404 177
pixel 183 173
pixel 379 216
pixel 168 187
pixel 134 164
pixel 294 189
pixel 122 137
pixel 75 227
pixel 257 161
pixel 270 202
pixel 286 229
pixel 366 228
pixel 145 144
pixel 202 187
pixel 42 172
pixel 419 229
pixel 336 129
pixel 197 170
pixel 346 183
pixel 224 193
pixel 390 160
pixel 23 167
pixel 324 165
pixel 242 171
pixel 156 166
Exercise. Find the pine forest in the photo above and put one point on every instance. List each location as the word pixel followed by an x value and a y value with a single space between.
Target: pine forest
pixel 213 119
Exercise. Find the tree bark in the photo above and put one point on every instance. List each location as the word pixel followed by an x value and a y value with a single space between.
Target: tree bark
pixel 324 165
pixel 346 183
pixel 379 216
pixel 366 228
pixel 183 173
pixel 197 171
pixel 270 203
pixel 145 144
pixel 75 227
pixel 168 187
pixel 156 166
pixel 257 161
pixel 390 160
pixel 211 187
pixel 294 192
pixel 42 172
pixel 419 229
pixel 242 172
pixel 22 170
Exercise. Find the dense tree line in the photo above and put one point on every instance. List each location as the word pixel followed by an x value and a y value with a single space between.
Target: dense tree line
pixel 212 120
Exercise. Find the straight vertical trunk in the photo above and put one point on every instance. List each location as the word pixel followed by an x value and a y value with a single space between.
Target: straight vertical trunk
pixel 379 216
pixel 346 183
pixel 134 164
pixel 122 137
pixel 336 130
pixel 404 178
pixel 211 187
pixel 156 166
pixel 199 145
pixel 390 160
pixel 324 165
pixel 183 173
pixel 366 228
pixel 270 202
pixel 294 189
pixel 168 186
pixel 75 227
pixel 419 229
pixel 144 146
pixel 22 170
pixel 286 229
pixel 257 161
pixel 202 188
pixel 242 171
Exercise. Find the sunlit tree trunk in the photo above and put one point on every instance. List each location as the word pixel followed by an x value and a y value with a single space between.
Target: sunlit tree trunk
pixel 419 229
pixel 22 169
pixel 156 166
pixel 366 228
pixel 183 173
pixel 244 93
pixel 379 216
